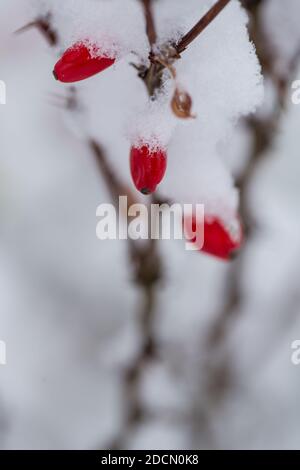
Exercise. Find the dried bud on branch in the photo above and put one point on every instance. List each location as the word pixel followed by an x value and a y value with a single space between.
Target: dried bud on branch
pixel 182 104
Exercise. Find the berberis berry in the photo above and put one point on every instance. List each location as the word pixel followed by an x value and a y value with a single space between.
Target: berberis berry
pixel 79 62
pixel 220 240
pixel 148 168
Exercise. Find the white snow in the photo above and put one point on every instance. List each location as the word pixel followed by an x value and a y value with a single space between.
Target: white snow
pixel 68 306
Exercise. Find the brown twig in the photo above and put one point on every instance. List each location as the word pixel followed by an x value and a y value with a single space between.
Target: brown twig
pixel 146 260
pixel 150 25
pixel 146 264
pixel 169 54
pixel 219 363
pixel 148 273
pixel 114 185
pixel 201 25
pixel 43 24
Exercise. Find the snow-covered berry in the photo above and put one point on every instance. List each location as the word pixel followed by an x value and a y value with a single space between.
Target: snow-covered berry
pixel 81 61
pixel 220 239
pixel 148 167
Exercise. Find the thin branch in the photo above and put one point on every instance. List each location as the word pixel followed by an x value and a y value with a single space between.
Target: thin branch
pixel 201 25
pixel 219 363
pixel 148 273
pixel 146 262
pixel 150 25
pixel 115 187
pixel 152 76
pixel 43 24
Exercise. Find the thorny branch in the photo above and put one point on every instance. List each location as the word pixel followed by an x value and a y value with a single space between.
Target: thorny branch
pixel 148 273
pixel 218 369
pixel 149 350
pixel 146 261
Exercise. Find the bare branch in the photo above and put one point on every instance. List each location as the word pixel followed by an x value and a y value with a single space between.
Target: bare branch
pixel 201 25
pixel 153 75
pixel 150 26
pixel 115 187
pixel 145 260
pixel 43 24
pixel 218 367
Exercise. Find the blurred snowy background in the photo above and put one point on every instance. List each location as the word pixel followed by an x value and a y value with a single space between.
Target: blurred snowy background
pixel 218 373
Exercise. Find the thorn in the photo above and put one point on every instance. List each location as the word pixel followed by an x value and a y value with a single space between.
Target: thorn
pixel 25 28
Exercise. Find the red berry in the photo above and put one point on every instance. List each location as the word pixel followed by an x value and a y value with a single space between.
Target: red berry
pixel 78 63
pixel 148 168
pixel 219 240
